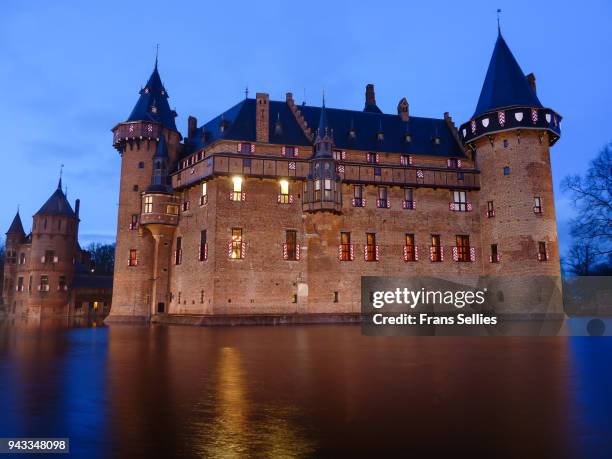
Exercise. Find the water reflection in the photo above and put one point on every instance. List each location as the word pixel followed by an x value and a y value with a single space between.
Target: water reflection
pixel 130 391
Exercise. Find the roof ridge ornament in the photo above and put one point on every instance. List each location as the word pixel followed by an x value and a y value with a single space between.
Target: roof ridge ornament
pixel 498 26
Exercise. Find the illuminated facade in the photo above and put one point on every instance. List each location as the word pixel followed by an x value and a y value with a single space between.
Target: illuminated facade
pixel 274 208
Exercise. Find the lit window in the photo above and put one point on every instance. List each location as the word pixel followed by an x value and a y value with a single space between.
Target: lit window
pixel 371 250
pixel 204 196
pixel 44 284
pixel 346 249
pixel 372 158
pixel 435 251
pixel 463 248
pixel 410 248
pixel 133 258
pixel 283 197
pixel 148 204
pixel 134 222
pixel 237 189
pixel 172 209
pixel 290 250
pixel 236 244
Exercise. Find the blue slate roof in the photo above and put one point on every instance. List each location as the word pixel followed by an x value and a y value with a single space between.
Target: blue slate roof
pixel 57 204
pixel 16 226
pixel 239 122
pixel 153 104
pixel 505 84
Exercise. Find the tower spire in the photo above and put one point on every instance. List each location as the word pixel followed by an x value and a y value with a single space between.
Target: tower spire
pixel 156 54
pixel 59 183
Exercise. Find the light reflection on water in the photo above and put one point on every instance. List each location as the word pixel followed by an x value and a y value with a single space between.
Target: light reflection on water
pixel 299 391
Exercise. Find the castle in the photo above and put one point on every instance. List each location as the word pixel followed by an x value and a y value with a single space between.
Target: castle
pixel 46 273
pixel 277 209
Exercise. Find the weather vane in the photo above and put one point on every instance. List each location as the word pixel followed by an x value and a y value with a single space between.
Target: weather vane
pixel 156 53
pixel 246 92
pixel 498 14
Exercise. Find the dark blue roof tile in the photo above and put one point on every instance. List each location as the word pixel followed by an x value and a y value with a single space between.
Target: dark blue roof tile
pixel 153 104
pixel 240 126
pixel 505 84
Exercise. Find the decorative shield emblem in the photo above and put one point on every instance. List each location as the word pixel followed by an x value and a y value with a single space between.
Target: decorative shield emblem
pixel 485 122
pixel 548 117
pixel 464 133
pixel 473 124
pixel 518 116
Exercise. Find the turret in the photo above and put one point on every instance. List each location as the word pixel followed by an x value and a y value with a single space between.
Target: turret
pixel 510 134
pixel 323 187
pixel 149 144
pixel 15 233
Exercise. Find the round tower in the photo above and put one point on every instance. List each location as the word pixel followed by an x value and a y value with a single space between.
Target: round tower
pixel 52 255
pixel 509 136
pixel 137 140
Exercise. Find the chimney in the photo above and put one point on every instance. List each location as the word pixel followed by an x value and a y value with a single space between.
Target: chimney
pixel 531 79
pixel 262 117
pixel 402 109
pixel 289 99
pixel 370 96
pixel 192 125
pixel 77 206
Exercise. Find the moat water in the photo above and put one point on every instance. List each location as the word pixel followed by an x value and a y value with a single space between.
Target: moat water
pixel 303 391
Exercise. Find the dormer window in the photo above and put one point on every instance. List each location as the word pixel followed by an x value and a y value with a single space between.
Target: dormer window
pixel 153 109
pixel 352 133
pixel 381 136
pixel 436 140
pixel 407 138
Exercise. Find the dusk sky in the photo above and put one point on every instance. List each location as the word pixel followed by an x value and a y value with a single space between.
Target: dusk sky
pixel 72 70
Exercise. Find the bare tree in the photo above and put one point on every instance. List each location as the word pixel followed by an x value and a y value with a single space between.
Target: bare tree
pixel 102 257
pixel 580 260
pixel 592 196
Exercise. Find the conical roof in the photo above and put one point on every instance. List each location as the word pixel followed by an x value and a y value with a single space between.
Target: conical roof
pixel 16 226
pixel 153 104
pixel 57 204
pixel 505 84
